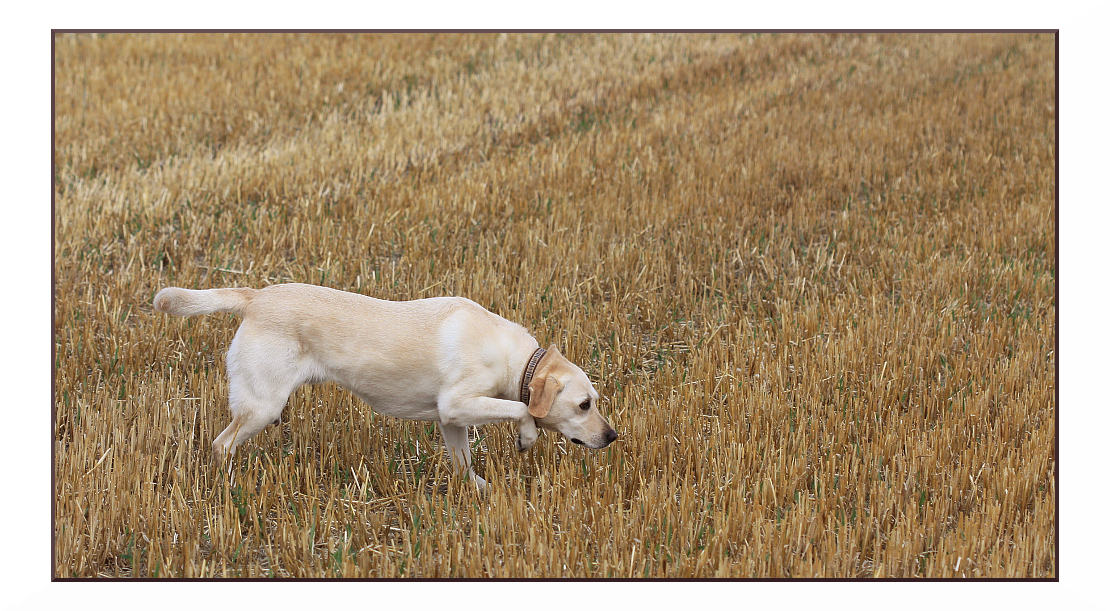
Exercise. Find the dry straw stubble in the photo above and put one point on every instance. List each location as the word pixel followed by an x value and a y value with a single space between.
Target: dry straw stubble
pixel 812 276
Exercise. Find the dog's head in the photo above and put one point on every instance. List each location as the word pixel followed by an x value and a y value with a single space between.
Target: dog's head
pixel 562 398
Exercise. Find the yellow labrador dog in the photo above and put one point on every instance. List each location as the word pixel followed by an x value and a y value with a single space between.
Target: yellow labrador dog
pixel 444 359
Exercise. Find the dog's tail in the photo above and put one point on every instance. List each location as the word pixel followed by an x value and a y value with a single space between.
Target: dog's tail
pixel 187 302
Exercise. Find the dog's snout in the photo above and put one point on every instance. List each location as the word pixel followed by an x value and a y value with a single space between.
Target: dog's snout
pixel 610 436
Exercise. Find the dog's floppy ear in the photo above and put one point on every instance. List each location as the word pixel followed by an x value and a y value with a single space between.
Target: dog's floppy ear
pixel 542 397
pixel 544 386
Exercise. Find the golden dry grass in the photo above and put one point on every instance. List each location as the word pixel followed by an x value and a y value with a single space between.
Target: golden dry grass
pixel 812 275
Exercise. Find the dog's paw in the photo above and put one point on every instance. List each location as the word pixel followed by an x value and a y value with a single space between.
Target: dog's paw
pixel 527 434
pixel 525 443
pixel 480 483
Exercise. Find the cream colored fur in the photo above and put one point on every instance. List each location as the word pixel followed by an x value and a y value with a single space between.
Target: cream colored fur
pixel 444 359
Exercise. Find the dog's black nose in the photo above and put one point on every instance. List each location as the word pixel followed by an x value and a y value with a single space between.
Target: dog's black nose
pixel 610 436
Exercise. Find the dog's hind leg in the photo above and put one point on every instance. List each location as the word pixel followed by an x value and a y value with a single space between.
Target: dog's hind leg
pixel 458 448
pixel 259 385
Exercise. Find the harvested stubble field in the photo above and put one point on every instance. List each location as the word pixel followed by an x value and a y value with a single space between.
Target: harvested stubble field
pixel 811 275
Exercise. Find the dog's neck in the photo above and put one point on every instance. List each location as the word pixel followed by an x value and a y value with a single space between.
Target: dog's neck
pixel 529 371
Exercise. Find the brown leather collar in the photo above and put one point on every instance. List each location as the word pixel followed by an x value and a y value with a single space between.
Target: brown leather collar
pixel 525 394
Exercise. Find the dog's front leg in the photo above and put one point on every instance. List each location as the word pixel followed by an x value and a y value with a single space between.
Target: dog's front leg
pixel 458 448
pixel 477 411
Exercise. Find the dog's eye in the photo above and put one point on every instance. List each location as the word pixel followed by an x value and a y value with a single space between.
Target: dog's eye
pixel 585 405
